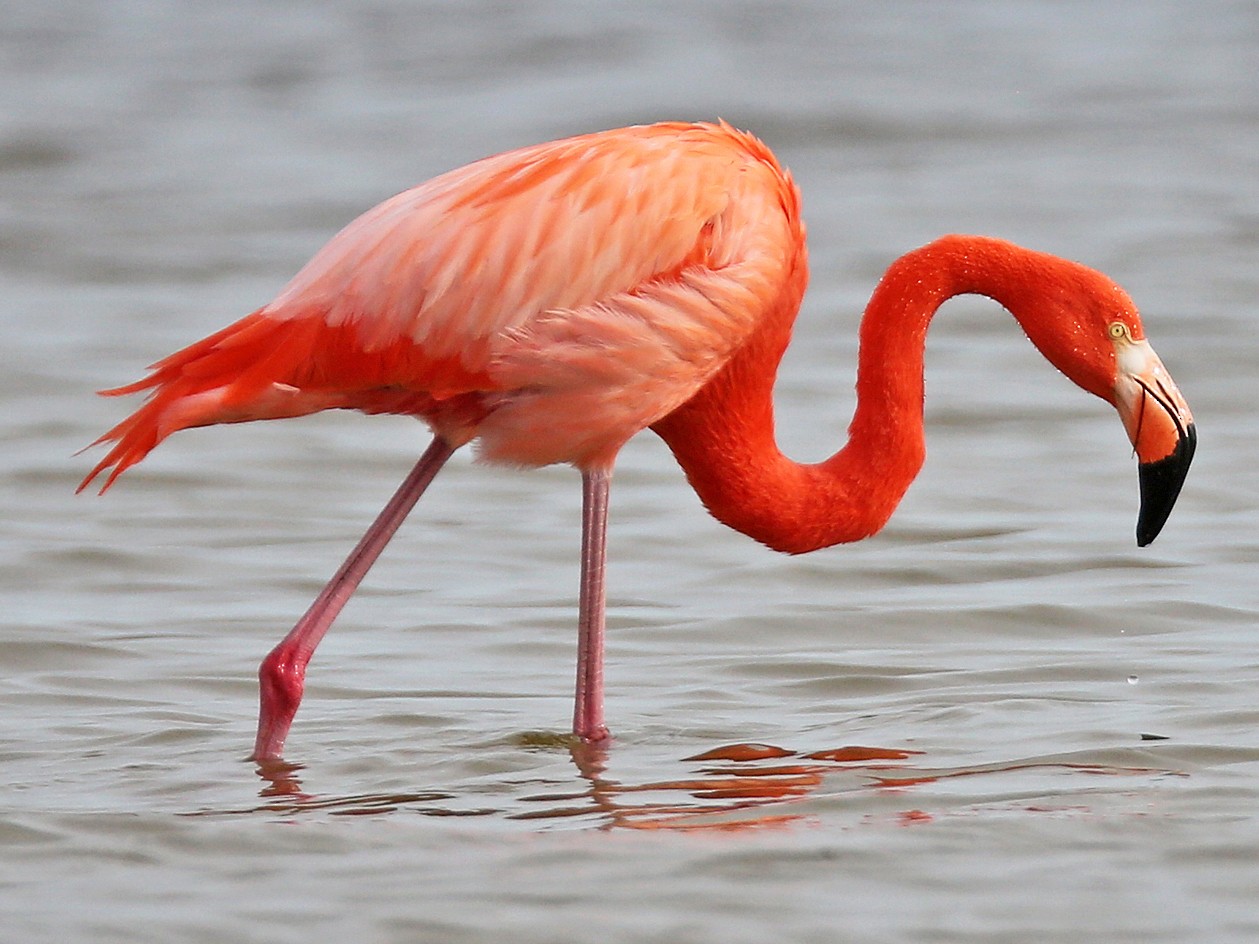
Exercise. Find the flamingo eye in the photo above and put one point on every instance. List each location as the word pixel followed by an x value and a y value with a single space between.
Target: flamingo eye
pixel 1118 330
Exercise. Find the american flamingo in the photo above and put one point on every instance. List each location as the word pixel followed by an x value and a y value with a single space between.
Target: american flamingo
pixel 552 301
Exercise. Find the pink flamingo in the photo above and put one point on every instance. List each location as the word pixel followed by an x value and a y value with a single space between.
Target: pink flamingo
pixel 552 301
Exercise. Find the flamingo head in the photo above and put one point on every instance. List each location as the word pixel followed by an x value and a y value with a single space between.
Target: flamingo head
pixel 1090 329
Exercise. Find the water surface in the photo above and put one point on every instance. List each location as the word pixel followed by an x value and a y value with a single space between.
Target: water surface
pixel 1063 726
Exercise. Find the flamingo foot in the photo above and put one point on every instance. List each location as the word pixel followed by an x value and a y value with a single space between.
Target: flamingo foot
pixel 281 680
pixel 592 733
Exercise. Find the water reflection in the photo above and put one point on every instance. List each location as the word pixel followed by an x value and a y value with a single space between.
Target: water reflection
pixel 282 793
pixel 718 797
pixel 732 787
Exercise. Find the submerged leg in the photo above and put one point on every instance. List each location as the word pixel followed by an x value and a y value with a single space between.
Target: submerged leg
pixel 588 709
pixel 282 674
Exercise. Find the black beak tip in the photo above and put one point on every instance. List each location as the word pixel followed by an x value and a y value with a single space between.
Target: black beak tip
pixel 1160 486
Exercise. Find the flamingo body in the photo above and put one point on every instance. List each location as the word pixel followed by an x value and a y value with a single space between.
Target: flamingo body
pixel 550 302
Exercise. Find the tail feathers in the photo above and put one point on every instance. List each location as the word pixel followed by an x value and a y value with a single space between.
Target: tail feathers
pixel 221 378
pixel 264 367
pixel 133 439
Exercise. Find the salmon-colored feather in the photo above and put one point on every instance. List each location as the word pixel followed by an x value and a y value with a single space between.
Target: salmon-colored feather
pixel 605 277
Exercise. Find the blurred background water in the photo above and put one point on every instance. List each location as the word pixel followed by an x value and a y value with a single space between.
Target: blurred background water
pixel 1063 726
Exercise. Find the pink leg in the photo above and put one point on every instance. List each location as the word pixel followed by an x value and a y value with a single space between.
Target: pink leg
pixel 282 674
pixel 588 709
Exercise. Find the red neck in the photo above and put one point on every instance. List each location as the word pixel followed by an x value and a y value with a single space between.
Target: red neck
pixel 724 436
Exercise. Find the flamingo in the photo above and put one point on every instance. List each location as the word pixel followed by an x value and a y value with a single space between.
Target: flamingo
pixel 550 302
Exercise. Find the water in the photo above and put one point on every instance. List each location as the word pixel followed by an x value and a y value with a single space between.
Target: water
pixel 1064 726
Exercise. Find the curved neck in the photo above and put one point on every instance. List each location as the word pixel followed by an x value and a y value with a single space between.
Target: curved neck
pixel 724 436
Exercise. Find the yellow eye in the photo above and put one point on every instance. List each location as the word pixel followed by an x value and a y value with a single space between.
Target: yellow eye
pixel 1118 330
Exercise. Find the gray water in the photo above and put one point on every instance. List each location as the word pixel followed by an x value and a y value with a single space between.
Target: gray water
pixel 1064 725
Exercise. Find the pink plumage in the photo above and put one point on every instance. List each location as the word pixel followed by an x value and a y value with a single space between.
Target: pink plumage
pixel 550 301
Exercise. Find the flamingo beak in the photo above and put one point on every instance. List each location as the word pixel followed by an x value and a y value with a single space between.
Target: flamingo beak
pixel 1161 428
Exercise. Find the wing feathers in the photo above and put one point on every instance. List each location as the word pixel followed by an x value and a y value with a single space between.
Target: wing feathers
pixel 633 261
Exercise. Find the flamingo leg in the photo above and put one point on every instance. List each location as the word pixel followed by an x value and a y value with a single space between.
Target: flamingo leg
pixel 588 722
pixel 281 677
